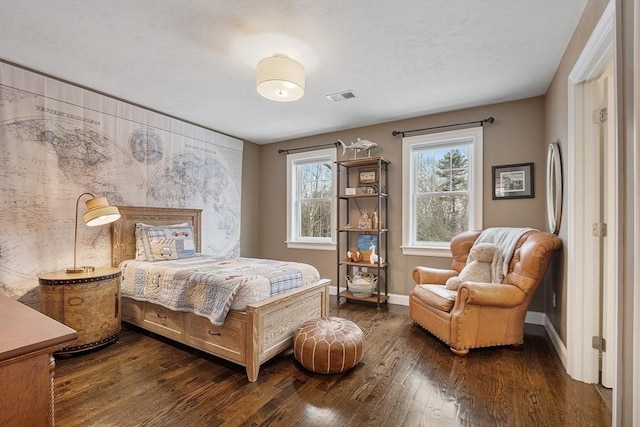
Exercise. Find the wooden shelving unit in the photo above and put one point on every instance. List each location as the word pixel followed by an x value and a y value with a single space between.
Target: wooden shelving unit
pixel 372 191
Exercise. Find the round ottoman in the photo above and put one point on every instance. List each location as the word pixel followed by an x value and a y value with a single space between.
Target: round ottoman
pixel 328 345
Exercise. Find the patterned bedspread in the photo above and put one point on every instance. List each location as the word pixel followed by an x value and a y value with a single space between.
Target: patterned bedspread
pixel 210 286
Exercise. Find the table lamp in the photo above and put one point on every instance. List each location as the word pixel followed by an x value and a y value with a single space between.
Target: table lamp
pixel 98 213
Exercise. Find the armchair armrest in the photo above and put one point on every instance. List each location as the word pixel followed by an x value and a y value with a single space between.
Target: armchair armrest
pixel 489 294
pixel 434 276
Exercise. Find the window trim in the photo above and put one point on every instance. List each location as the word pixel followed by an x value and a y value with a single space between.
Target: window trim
pixel 317 243
pixel 409 145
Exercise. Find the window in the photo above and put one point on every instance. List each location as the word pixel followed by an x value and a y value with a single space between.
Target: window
pixel 311 200
pixel 442 189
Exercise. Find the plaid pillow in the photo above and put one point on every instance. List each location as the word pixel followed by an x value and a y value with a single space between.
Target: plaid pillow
pixel 167 242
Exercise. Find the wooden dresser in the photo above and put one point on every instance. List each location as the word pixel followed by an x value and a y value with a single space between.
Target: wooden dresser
pixel 27 342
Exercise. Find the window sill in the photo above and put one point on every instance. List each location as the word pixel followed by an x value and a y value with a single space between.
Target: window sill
pixel 311 245
pixel 433 251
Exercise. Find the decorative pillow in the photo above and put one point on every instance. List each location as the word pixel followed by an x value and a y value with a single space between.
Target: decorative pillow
pixel 164 243
pixel 141 254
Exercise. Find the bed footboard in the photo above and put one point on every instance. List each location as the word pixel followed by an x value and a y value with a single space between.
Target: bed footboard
pixel 247 338
pixel 273 321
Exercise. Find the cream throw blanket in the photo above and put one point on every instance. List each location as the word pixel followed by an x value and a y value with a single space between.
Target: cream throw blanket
pixel 506 239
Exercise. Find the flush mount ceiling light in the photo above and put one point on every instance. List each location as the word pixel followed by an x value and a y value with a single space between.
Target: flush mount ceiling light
pixel 279 78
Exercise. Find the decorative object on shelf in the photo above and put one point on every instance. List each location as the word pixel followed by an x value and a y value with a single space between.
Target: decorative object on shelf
pixel 354 256
pixel 98 213
pixel 374 219
pixel 280 78
pixel 362 285
pixel 367 176
pixel 513 181
pixel 350 191
pixel 364 221
pixel 374 258
pixel 359 145
pixel 365 243
pixel 554 188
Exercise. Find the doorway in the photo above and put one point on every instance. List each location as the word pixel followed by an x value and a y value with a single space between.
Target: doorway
pixel 600 131
pixel 593 210
pixel 608 229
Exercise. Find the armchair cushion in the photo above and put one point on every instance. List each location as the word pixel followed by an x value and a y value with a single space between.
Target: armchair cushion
pixel 436 296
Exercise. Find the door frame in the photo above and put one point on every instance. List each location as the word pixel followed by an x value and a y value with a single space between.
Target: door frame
pixel 582 286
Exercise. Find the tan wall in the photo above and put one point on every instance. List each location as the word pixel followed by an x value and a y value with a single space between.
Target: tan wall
pixel 556 111
pixel 250 229
pixel 517 136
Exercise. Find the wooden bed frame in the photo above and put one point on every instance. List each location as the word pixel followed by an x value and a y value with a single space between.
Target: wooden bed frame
pixel 248 338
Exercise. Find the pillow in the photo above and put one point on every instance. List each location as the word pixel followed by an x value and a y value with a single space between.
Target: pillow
pixel 141 254
pixel 164 243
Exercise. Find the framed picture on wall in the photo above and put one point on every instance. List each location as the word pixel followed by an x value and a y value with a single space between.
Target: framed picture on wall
pixel 513 181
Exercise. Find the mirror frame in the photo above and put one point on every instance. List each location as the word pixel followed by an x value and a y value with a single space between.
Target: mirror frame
pixel 554 187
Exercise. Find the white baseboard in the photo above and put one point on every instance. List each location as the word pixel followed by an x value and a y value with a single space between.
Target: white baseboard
pixel 559 346
pixel 535 318
pixel 538 318
pixel 532 318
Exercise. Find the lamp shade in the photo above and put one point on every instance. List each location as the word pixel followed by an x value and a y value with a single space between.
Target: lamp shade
pixel 279 78
pixel 99 212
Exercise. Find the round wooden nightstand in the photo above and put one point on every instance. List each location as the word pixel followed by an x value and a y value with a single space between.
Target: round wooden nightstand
pixel 88 302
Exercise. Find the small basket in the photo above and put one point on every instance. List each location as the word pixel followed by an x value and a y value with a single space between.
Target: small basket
pixel 364 286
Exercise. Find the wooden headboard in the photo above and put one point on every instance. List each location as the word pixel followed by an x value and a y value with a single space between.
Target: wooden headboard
pixel 123 239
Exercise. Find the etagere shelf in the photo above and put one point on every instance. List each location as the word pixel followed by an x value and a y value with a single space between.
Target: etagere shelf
pixel 362 188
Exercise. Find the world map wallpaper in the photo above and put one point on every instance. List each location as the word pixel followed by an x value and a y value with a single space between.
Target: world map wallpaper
pixel 58 141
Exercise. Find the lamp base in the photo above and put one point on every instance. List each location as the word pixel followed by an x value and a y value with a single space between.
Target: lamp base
pixel 81 269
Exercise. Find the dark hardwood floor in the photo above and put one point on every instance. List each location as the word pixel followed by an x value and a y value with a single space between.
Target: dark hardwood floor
pixel 406 378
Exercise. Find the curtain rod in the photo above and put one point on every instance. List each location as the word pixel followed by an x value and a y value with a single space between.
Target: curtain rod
pixel 280 151
pixel 482 122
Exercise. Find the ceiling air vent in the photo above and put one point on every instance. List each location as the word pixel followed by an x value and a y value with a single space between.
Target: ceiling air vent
pixel 342 96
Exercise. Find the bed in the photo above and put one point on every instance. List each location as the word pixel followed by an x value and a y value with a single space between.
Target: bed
pixel 247 337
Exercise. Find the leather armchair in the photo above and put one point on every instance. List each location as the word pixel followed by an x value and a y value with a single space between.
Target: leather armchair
pixel 481 314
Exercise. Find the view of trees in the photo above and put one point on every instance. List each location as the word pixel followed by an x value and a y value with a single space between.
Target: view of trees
pixel 442 184
pixel 441 195
pixel 314 199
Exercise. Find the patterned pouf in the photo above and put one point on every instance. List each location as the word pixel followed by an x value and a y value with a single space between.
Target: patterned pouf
pixel 328 345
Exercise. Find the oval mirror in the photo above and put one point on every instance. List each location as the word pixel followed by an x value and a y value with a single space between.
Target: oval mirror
pixel 554 187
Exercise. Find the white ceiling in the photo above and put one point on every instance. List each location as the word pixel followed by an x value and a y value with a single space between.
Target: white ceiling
pixel 195 59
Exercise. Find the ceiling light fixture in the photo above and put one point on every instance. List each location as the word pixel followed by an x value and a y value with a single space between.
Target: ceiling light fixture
pixel 280 78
